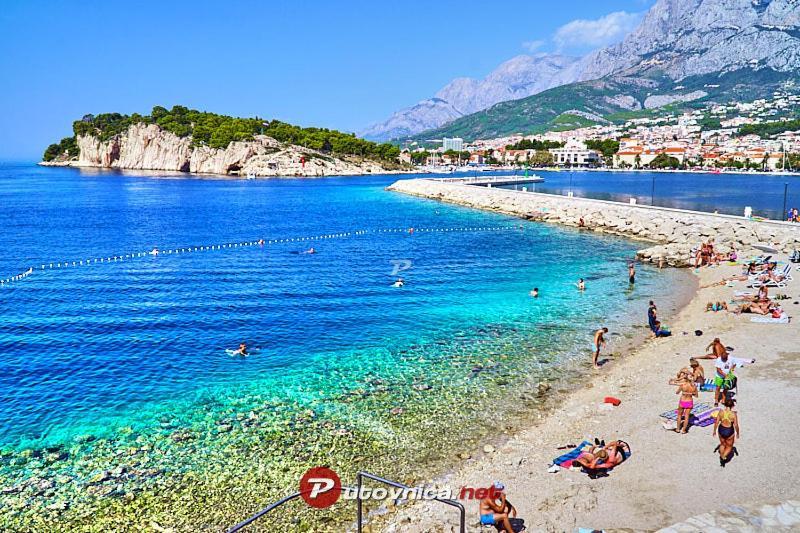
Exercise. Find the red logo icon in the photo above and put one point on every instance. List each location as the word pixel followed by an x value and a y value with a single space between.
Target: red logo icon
pixel 320 487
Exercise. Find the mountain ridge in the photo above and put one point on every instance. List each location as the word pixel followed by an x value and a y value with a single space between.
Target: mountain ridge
pixel 683 51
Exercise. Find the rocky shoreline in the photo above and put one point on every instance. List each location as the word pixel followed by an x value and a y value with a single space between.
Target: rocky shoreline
pixel 148 147
pixel 673 233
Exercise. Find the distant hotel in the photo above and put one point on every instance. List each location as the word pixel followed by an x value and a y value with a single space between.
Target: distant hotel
pixel 455 143
pixel 575 154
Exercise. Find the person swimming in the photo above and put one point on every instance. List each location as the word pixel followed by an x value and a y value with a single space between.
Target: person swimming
pixel 398 283
pixel 581 285
pixel 154 251
pixel 242 349
pixel 535 292
pixel 310 251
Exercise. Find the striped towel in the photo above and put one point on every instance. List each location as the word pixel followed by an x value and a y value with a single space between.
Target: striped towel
pixel 701 414
pixel 565 461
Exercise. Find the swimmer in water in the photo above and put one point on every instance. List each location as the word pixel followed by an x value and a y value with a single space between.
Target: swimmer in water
pixel 535 292
pixel 398 283
pixel 581 285
pixel 242 349
pixel 154 251
pixel 310 251
pixel 261 242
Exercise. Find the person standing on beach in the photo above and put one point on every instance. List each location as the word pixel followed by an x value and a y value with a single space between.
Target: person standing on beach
pixel 631 273
pixel 688 391
pixel 726 423
pixel 652 313
pixel 598 342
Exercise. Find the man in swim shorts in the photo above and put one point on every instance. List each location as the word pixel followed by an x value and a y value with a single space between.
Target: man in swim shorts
pixel 493 508
pixel 598 342
pixel 631 273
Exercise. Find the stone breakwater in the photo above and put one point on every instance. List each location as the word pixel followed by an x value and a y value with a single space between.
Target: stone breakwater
pixel 148 147
pixel 673 233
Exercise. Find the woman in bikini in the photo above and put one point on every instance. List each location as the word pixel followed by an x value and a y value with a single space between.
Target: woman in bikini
pixel 726 424
pixel 688 391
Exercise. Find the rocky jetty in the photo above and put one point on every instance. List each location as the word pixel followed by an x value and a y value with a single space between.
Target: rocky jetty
pixel 672 232
pixel 148 147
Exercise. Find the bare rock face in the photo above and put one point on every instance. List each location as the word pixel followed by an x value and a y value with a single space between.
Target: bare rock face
pixel 520 76
pixel 148 147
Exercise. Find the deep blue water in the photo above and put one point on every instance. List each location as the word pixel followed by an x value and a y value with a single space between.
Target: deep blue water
pixel 726 193
pixel 91 347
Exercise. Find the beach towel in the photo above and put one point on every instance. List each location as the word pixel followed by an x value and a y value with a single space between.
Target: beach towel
pixel 565 461
pixel 701 415
pixel 784 319
pixel 708 386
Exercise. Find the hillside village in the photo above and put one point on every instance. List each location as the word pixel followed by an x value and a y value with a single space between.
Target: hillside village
pixel 760 135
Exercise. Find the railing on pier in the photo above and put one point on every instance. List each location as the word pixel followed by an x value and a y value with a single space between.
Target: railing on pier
pixel 359 504
pixel 359 511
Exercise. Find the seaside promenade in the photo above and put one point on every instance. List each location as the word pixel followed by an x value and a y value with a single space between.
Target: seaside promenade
pixel 672 481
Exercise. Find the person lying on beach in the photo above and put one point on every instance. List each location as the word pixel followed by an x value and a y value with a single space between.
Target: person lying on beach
pixel 493 508
pixel 688 391
pixel 756 308
pixel 603 457
pixel 726 424
pixel 598 342
pixel 716 306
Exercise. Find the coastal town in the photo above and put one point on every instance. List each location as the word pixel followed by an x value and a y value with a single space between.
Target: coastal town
pixel 762 135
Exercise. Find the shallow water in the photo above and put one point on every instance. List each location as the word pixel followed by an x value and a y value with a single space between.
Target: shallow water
pixel 129 357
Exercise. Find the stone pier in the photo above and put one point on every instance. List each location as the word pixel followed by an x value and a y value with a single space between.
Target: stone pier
pixel 671 233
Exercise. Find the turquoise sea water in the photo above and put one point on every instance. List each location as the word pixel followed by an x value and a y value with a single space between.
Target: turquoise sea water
pixel 105 357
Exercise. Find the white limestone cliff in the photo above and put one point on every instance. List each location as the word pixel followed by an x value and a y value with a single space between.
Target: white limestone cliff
pixel 148 147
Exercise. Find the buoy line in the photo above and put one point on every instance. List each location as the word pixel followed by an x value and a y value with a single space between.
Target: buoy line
pixel 55 265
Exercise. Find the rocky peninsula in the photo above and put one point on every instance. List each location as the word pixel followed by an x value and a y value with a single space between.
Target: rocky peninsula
pixel 186 140
pixel 671 233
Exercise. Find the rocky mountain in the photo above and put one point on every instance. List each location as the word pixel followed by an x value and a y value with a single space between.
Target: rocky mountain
pixel 518 77
pixel 149 147
pixel 683 51
pixel 683 38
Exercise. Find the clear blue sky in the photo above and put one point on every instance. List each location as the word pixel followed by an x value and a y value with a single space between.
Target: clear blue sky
pixel 338 64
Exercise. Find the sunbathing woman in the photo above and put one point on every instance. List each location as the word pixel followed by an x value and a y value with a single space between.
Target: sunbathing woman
pixel 688 390
pixel 726 424
pixel 756 308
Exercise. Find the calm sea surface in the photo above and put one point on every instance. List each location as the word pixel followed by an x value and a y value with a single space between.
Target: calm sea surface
pixel 131 354
pixel 726 193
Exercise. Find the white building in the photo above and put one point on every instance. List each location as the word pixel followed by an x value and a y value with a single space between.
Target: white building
pixel 575 154
pixel 454 143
